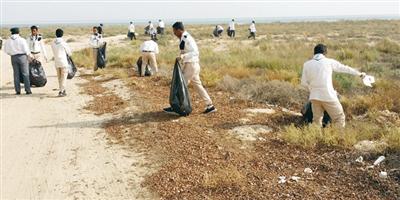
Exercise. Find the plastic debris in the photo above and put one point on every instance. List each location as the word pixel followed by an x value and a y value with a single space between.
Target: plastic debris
pixel 379 160
pixel 308 170
pixel 360 159
pixel 295 178
pixel 383 175
pixel 282 179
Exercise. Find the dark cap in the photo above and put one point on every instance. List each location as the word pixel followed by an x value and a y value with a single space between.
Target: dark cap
pixel 178 26
pixel 14 30
pixel 320 48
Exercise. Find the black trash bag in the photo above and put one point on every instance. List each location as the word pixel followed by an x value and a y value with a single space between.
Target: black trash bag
pixel 71 68
pixel 101 56
pixel 179 97
pixel 308 115
pixel 159 30
pixel 215 33
pixel 130 34
pixel 140 68
pixel 1 44
pixel 37 76
pixel 229 32
pixel 147 30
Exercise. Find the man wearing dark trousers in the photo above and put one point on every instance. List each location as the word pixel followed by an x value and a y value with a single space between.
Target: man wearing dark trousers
pixel 18 49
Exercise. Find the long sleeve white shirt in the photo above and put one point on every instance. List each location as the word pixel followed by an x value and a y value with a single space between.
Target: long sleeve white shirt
pixel 36 45
pixel 149 46
pixel 96 41
pixel 232 26
pixel 253 28
pixel 317 77
pixel 131 28
pixel 189 49
pixel 161 24
pixel 60 51
pixel 16 45
pixel 220 28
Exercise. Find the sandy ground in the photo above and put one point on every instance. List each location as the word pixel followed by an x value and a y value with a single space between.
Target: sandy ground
pixel 50 149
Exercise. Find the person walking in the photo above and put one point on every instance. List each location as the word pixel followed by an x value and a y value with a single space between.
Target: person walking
pixel 36 45
pixel 149 50
pixel 191 69
pixel 131 31
pixel 96 41
pixel 161 26
pixel 252 30
pixel 232 28
pixel 18 49
pixel 152 31
pixel 60 51
pixel 317 77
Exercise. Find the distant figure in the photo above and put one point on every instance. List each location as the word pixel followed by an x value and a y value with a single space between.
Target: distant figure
pixel 60 51
pixel 149 51
pixel 18 49
pixel 131 31
pixel 191 68
pixel 231 29
pixel 317 77
pixel 1 42
pixel 252 30
pixel 96 41
pixel 36 45
pixel 161 27
pixel 152 31
pixel 219 29
pixel 101 29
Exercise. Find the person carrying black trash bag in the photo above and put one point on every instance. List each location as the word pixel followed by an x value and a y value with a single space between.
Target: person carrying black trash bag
pixel 160 27
pixel 231 29
pixel 317 78
pixel 191 68
pixel 18 49
pixel 131 31
pixel 96 41
pixel 61 52
pixel 36 45
pixel 252 30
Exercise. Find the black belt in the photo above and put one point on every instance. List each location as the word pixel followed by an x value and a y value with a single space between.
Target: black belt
pixel 35 52
pixel 21 54
pixel 148 51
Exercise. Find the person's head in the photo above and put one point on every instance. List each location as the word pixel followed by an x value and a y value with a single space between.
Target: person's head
pixel 101 24
pixel 178 29
pixel 131 22
pixel 233 20
pixel 159 20
pixel 320 49
pixel 59 33
pixel 94 29
pixel 14 30
pixel 34 30
pixel 253 22
pixel 149 22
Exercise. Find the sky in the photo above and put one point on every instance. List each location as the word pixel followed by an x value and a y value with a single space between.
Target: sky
pixel 91 11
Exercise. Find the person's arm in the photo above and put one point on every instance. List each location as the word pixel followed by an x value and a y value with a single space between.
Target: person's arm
pixel 43 50
pixel 26 47
pixel 67 49
pixel 6 48
pixel 341 68
pixel 194 49
pixel 304 78
pixel 156 50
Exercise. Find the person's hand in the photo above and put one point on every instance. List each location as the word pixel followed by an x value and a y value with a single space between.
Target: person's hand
pixel 179 58
pixel 363 74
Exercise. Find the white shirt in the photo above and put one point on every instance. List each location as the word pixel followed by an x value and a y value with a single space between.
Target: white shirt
pixel 149 45
pixel 131 28
pixel 232 26
pixel 60 51
pixel 220 28
pixel 190 51
pixel 253 28
pixel 317 77
pixel 96 41
pixel 16 45
pixel 161 24
pixel 36 45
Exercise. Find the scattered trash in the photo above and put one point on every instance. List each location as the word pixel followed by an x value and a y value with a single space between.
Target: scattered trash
pixel 379 160
pixel 383 175
pixel 282 180
pixel 368 80
pixel 360 159
pixel 370 167
pixel 295 178
pixel 308 170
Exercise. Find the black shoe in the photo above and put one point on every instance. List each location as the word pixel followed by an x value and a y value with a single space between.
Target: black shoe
pixel 18 93
pixel 171 111
pixel 64 93
pixel 210 109
pixel 28 93
pixel 60 94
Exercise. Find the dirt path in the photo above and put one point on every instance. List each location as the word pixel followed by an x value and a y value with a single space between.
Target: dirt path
pixel 50 149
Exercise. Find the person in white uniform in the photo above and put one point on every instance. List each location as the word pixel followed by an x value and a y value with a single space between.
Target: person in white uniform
pixel 96 41
pixel 232 28
pixel 191 69
pixel 161 26
pixel 60 51
pixel 131 31
pixel 317 77
pixel 36 45
pixel 149 51
pixel 252 30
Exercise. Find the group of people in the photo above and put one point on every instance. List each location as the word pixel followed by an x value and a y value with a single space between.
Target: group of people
pixel 25 51
pixel 316 76
pixel 218 30
pixel 149 30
